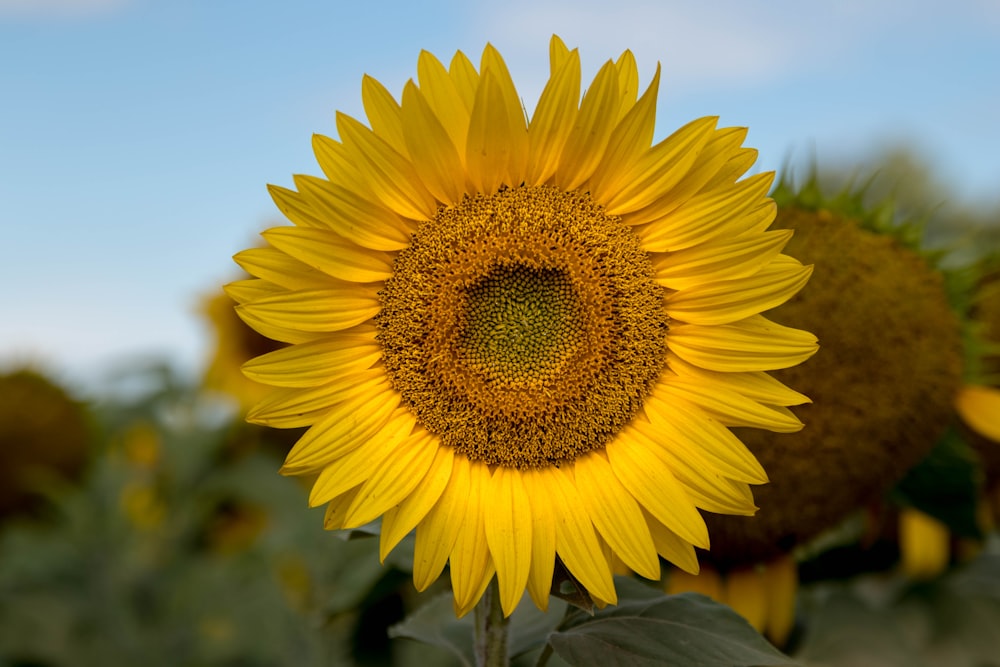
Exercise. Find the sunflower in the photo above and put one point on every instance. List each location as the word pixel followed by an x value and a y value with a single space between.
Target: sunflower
pixel 525 339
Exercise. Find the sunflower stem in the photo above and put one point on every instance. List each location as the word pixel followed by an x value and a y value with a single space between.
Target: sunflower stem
pixel 491 630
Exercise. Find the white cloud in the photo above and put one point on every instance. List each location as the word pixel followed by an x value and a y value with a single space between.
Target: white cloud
pixel 58 8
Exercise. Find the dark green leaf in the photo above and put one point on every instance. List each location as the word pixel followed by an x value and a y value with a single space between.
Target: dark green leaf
pixel 686 630
pixel 435 624
pixel 945 485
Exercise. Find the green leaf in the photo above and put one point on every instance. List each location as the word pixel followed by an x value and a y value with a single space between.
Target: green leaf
pixel 435 624
pixel 687 630
pixel 945 485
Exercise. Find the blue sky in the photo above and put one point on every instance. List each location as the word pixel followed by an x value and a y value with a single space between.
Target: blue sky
pixel 137 136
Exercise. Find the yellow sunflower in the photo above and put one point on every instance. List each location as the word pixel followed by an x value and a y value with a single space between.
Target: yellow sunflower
pixel 525 339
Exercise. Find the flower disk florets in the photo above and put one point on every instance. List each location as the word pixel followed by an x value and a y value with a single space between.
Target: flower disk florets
pixel 523 328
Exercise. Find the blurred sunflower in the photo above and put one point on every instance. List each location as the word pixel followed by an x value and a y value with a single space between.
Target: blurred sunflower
pixel 234 344
pixel 44 439
pixel 886 387
pixel 525 339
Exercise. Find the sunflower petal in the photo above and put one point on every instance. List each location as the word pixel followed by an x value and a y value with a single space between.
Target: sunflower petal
pixel 470 562
pixel 553 120
pixel 752 344
pixel 508 533
pixel 394 480
pixel 275 266
pixel 661 168
pixel 653 485
pixel 730 300
pixel 729 407
pixel 391 176
pixel 433 154
pixel 675 549
pixel 316 362
pixel 616 515
pixel 331 254
pixel 347 425
pixel 438 532
pixel 979 407
pixel 543 539
pixel 589 137
pixel 576 541
pixel 714 214
pixel 384 113
pixel 315 310
pixel 399 521
pixel 443 99
pixel 694 434
pixel 726 259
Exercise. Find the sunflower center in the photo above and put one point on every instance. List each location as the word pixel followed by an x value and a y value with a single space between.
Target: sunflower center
pixel 524 328
pixel 522 325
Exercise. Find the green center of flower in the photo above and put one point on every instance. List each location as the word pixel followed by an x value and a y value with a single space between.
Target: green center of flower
pixel 522 325
pixel 523 328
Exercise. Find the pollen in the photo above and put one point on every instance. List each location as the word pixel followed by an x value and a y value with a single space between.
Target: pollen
pixel 524 328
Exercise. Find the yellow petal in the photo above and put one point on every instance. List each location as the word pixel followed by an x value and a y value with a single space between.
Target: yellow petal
pixel 330 253
pixel 336 509
pixel 721 145
pixel 924 544
pixel 746 594
pixel 596 119
pixel 399 521
pixel 315 310
pixel 351 470
pixel 347 425
pixel 390 175
pixel 277 267
pixel 384 113
pixel 488 149
pixel 707 582
pixel 470 562
pixel 576 542
pixel 242 291
pixel 629 141
pixel 692 433
pixel 979 407
pixel 727 301
pixel 661 168
pixel 393 481
pixel 296 208
pixel 701 480
pixel 431 150
pixel 295 407
pixel 653 485
pixel 316 362
pixel 356 217
pixel 443 98
pixel 616 514
pixel 728 407
pixel 543 539
pixel 340 167
pixel 439 530
pixel 755 385
pixel 781 581
pixel 672 547
pixel 553 121
pixel 516 131
pixel 628 85
pixel 723 259
pixel 508 533
pixel 465 77
pixel 713 214
pixel 752 344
